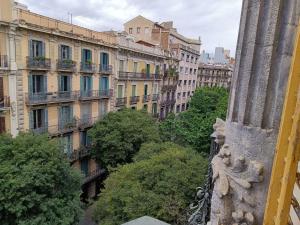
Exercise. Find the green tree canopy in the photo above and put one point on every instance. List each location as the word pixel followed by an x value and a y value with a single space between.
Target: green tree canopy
pixel 194 127
pixel 120 135
pixel 159 183
pixel 37 186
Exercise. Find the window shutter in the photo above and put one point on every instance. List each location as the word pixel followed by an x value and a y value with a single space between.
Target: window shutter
pixel 46 117
pixel 91 83
pixel 107 59
pixel 43 49
pixel 31 119
pixel 30 84
pixel 70 53
pixel 82 55
pixel 81 84
pixel 59 77
pixel 69 83
pixel 90 55
pixel 30 48
pixel 59 52
pixel 45 83
pixel 101 59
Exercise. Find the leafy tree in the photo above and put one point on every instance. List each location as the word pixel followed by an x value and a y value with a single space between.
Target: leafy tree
pixel 160 183
pixel 194 127
pixel 37 186
pixel 120 135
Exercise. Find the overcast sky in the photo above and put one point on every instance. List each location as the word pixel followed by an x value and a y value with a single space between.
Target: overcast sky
pixel 215 21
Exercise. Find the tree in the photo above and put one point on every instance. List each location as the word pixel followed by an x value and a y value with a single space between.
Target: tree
pixel 120 135
pixel 37 186
pixel 194 127
pixel 160 183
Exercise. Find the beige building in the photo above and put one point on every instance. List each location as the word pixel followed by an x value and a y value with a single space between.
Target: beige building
pixel 186 50
pixel 212 75
pixel 59 78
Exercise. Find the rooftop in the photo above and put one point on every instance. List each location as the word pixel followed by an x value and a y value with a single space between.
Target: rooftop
pixel 146 220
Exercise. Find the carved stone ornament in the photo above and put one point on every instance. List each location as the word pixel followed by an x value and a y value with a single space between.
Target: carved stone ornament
pixel 234 177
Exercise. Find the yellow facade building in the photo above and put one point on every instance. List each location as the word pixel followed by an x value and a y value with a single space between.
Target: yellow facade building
pixel 59 78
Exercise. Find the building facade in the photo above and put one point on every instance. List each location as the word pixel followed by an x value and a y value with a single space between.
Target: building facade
pixel 214 76
pixel 59 78
pixel 185 49
pixel 139 76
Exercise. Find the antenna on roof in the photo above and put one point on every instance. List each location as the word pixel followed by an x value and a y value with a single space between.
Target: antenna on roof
pixel 70 17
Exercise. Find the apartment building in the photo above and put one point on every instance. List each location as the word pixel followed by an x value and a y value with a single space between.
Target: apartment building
pixel 212 75
pixel 139 75
pixel 59 78
pixel 185 49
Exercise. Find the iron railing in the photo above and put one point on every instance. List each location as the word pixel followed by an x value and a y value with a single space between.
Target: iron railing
pixel 80 153
pixel 4 102
pixel 134 99
pixel 146 98
pixel 121 101
pixel 138 76
pixel 155 97
pixel 87 121
pixel 40 63
pixel 3 61
pixel 50 97
pixel 95 94
pixel 93 175
pixel 87 67
pixel 105 68
pixel 66 65
pixel 168 102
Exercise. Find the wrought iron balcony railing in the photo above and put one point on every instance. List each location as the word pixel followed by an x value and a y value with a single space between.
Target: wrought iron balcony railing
pixel 168 102
pixel 80 153
pixel 155 97
pixel 138 76
pixel 121 101
pixel 87 121
pixel 87 67
pixel 39 63
pixel 3 62
pixel 107 69
pixel 66 65
pixel 134 99
pixel 93 175
pixel 50 97
pixel 95 94
pixel 146 98
pixel 4 103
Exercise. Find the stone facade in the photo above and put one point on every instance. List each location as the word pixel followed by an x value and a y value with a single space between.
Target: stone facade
pixel 243 167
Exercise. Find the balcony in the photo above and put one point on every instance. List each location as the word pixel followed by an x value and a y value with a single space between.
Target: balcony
pixel 87 67
pixel 66 65
pixel 106 69
pixel 168 102
pixel 38 63
pixel 87 121
pixel 121 101
pixel 134 100
pixel 93 175
pixel 80 153
pixel 146 98
pixel 4 103
pixel 3 62
pixel 155 97
pixel 95 94
pixel 138 76
pixel 50 97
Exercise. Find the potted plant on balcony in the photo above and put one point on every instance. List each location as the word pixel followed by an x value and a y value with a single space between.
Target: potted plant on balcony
pixel 67 62
pixel 39 58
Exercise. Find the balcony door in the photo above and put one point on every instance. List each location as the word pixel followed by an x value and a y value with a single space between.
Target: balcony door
pixel 65 117
pixel 120 91
pixel 146 90
pixel 104 84
pixel 86 85
pixel 37 87
pixel 86 112
pixel 64 85
pixel 67 143
pixel 36 48
pixel 84 166
pixel 86 56
pixel 148 70
pixel 85 140
pixel 38 119
pixel 133 90
pixel 64 52
pixel 104 60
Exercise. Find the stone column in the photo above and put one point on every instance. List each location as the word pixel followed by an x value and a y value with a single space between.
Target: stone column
pixel 243 167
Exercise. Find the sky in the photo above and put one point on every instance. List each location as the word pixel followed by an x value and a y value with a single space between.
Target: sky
pixel 215 21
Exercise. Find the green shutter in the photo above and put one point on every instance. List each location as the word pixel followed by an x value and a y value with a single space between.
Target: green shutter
pixel 45 117
pixel 45 83
pixel 59 52
pixel 31 119
pixel 30 48
pixel 81 84
pixel 30 84
pixel 70 53
pixel 69 83
pixel 59 77
pixel 43 49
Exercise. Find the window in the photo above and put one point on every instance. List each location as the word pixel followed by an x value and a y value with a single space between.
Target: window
pixel 104 84
pixel 178 95
pixel 146 89
pixel 64 83
pixel 190 82
pixel 67 143
pixel 38 119
pixel 86 85
pixel 196 60
pixel 194 82
pixel 189 93
pixel 84 167
pixel 130 30
pixel 192 59
pixel 177 108
pixel 186 70
pixel 187 58
pixel 145 107
pixel 37 48
pixel 185 81
pixel 180 81
pixel 138 30
pixel 86 56
pixel 157 69
pixel 135 67
pixel 133 90
pixel 148 70
pixel 103 108
pixel 182 56
pixel 183 94
pixel 147 30
pixel 85 140
pixel 104 61
pixel 121 65
pixel 154 108
pixel 37 84
pixel 182 107
pixel 191 71
pixel 181 69
pixel 120 91
pixel 133 108
pixel 64 52
pixel 65 116
pixel 85 112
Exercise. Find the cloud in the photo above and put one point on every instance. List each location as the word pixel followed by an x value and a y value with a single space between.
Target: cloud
pixel 215 21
